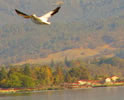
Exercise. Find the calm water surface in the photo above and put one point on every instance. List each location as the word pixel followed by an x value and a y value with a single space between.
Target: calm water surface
pixel 109 93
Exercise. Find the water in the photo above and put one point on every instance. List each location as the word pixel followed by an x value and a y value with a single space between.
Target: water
pixel 109 93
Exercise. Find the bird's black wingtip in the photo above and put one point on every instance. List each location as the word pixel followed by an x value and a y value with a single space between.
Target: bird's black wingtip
pixel 17 11
pixel 56 10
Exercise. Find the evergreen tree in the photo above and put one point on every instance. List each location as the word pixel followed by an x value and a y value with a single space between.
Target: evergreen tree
pixel 52 64
pixel 27 70
pixel 67 63
pixel 3 74
pixel 58 76
pixel 78 73
pixel 44 75
pixel 68 78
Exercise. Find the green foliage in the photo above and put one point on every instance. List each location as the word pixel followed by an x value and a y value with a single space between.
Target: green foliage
pixel 44 75
pixel 3 73
pixel 29 76
pixel 27 81
pixel 27 70
pixel 67 62
pixel 68 78
pixel 14 81
pixel 58 76
pixel 52 64
pixel 78 73
pixel 115 61
pixel 120 53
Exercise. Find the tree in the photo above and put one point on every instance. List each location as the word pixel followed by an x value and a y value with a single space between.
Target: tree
pixel 44 75
pixel 78 73
pixel 67 62
pixel 27 81
pixel 14 81
pixel 27 70
pixel 68 78
pixel 52 64
pixel 48 77
pixel 58 76
pixel 3 74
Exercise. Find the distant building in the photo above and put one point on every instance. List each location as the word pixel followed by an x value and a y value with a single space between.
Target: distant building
pixel 108 80
pixel 82 82
pixel 88 82
pixel 95 83
pixel 114 78
pixel 111 79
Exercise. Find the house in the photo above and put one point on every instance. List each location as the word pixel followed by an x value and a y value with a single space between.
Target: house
pixel 111 79
pixel 88 82
pixel 114 78
pixel 108 80
pixel 82 82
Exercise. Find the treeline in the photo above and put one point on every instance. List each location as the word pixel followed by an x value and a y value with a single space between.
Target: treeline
pixel 39 76
pixel 55 74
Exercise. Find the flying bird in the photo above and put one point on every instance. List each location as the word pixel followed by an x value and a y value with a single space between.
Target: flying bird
pixel 39 20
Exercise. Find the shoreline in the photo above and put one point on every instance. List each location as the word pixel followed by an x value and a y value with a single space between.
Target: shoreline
pixel 25 90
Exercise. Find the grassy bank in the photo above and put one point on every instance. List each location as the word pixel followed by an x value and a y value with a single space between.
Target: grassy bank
pixel 16 90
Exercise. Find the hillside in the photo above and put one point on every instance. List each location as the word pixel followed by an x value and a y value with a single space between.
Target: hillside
pixel 78 53
pixel 83 24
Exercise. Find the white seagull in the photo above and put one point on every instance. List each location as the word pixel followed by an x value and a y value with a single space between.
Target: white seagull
pixel 39 20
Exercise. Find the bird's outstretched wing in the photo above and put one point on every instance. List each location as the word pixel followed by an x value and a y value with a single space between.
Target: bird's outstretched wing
pixel 51 13
pixel 22 14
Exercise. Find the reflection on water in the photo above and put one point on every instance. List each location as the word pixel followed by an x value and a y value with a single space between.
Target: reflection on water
pixel 109 93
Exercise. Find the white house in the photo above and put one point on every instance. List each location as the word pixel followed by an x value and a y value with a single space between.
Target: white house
pixel 82 82
pixel 108 80
pixel 114 78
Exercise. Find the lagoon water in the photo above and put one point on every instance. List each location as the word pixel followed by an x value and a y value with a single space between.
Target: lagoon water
pixel 109 93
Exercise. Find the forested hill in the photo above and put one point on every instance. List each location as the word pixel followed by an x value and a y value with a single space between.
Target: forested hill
pixel 79 24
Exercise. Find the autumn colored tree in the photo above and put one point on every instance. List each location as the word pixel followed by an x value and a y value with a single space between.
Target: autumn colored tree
pixel 3 77
pixel 58 76
pixel 44 75
pixel 68 78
